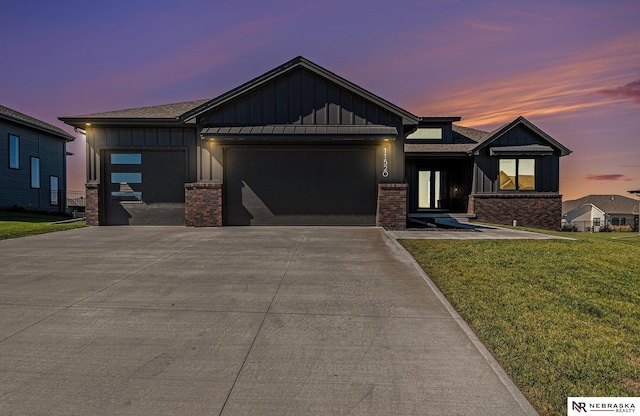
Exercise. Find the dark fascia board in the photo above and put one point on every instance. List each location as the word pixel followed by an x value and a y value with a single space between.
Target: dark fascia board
pixel 520 120
pixel 300 62
pixel 429 120
pixel 60 134
pixel 83 122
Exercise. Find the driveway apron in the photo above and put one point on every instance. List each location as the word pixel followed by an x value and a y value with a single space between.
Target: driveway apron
pixel 234 321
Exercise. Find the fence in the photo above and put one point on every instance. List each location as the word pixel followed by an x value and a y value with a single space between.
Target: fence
pixel 596 226
pixel 76 203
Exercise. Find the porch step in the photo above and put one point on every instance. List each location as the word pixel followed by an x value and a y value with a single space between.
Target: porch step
pixel 460 217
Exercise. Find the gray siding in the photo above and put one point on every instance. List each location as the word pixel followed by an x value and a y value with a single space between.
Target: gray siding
pixel 486 167
pixel 147 138
pixel 15 184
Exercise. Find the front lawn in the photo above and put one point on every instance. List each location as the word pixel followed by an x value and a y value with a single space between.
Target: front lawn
pixel 20 224
pixel 562 317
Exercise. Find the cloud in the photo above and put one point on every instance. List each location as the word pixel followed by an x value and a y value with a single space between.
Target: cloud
pixel 630 90
pixel 609 177
pixel 564 88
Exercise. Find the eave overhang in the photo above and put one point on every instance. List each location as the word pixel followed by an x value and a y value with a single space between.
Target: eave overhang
pixel 527 150
pixel 299 133
pixel 84 122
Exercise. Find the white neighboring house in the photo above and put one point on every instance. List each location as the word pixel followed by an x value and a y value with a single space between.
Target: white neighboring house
pixel 595 212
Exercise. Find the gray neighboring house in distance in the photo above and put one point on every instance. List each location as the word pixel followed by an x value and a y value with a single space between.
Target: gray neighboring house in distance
pixel 300 145
pixel 598 212
pixel 33 167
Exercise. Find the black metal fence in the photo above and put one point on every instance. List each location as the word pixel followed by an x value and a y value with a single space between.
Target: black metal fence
pixel 76 202
pixel 597 226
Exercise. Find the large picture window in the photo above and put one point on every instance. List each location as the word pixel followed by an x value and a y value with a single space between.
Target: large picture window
pixel 517 174
pixel 14 152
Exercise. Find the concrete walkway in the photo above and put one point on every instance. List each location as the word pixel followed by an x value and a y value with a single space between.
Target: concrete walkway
pixel 234 321
pixel 480 233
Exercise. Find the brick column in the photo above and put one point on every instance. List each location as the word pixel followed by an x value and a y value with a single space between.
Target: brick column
pixel 392 206
pixel 92 201
pixel 203 204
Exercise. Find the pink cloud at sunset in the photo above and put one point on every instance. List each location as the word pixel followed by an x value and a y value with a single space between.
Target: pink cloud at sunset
pixel 609 177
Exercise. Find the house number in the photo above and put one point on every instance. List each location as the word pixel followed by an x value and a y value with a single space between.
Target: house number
pixel 385 165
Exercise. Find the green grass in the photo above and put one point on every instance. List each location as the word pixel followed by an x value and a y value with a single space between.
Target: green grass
pixel 20 224
pixel 562 317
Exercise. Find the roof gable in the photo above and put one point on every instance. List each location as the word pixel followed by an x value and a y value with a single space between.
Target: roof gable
pixel 292 68
pixel 503 130
pixel 21 118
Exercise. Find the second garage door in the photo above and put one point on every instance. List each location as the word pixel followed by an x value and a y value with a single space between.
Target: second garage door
pixel 300 187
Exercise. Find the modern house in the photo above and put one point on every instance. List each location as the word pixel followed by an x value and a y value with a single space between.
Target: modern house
pixel 33 169
pixel 299 145
pixel 597 212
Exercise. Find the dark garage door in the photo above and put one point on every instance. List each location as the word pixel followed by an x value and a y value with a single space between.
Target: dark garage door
pixel 299 187
pixel 144 188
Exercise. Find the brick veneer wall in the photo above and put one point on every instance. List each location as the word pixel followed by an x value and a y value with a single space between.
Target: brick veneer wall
pixel 392 206
pixel 92 201
pixel 203 204
pixel 538 211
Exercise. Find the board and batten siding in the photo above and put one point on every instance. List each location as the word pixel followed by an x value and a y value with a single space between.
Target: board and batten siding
pixel 139 138
pixel 486 167
pixel 299 98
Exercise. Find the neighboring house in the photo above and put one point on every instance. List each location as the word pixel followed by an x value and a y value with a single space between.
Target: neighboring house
pixel 595 212
pixel 301 145
pixel 32 163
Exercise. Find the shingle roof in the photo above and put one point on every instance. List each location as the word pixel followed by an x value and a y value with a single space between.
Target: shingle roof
pixel 610 204
pixel 465 139
pixel 18 117
pixel 166 111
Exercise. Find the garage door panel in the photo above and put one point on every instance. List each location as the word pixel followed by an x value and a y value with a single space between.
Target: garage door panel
pixel 300 187
pixel 144 188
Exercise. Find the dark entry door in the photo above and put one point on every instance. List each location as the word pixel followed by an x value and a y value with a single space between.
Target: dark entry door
pixel 299 187
pixel 144 188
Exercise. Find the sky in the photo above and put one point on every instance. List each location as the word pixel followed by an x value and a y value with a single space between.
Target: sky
pixel 571 67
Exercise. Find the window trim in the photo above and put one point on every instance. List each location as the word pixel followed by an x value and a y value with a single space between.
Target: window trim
pixel 517 187
pixel 34 185
pixel 17 145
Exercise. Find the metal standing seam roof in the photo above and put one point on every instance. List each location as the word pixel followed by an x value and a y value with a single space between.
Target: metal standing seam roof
pixel 268 131
pixel 21 118
pixel 531 149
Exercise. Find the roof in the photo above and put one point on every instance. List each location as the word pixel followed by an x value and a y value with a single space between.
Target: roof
pixel 528 149
pixel 166 112
pixel 301 62
pixel 21 118
pixel 609 204
pixel 464 141
pixel 366 132
pixel 497 133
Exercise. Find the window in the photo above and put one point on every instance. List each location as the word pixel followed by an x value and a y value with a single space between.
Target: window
pixel 596 222
pixel 126 177
pixel 430 133
pixel 431 189
pixel 14 152
pixel 126 159
pixel 35 172
pixel 517 174
pixel 55 190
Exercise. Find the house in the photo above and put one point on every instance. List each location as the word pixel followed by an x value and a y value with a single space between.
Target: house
pixel 33 170
pixel 595 212
pixel 300 145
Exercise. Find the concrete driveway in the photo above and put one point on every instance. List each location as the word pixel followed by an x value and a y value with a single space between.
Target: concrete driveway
pixel 234 321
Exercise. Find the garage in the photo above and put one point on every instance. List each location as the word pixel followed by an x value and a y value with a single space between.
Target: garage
pixel 300 186
pixel 144 187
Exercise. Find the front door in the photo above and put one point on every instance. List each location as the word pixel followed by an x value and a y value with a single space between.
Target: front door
pixel 432 189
